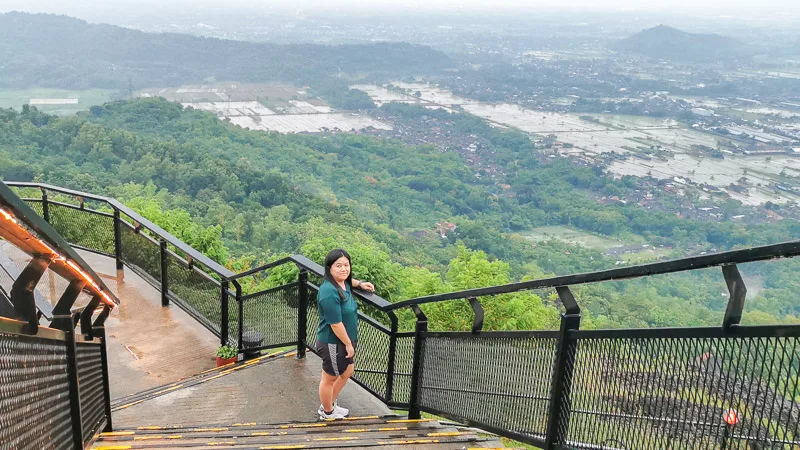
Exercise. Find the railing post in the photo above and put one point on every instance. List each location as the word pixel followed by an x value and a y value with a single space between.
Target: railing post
pixel 74 389
pixel 224 314
pixel 164 280
pixel 302 313
pixel 561 384
pixel 100 329
pixel 45 207
pixel 86 317
pixel 419 330
pixel 118 239
pixel 240 304
pixel 22 292
pixel 738 292
pixel 106 384
pixel 390 368
pixel 477 309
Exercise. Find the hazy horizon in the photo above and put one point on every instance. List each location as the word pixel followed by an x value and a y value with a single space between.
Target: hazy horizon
pixel 741 9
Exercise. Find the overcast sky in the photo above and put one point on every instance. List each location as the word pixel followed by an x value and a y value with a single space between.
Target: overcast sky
pixel 96 8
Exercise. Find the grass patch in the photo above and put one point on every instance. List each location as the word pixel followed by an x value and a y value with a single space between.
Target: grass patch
pixel 647 255
pixel 578 237
pixel 515 444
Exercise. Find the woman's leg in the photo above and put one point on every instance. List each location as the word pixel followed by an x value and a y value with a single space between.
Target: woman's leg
pixel 326 390
pixel 340 381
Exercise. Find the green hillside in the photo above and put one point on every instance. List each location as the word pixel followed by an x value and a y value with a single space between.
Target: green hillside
pixel 49 51
pixel 261 195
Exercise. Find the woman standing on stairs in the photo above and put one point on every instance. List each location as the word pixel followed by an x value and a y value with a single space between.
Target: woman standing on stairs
pixel 338 330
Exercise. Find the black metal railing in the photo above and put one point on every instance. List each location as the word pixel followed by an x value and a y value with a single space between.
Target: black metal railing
pixel 54 386
pixel 570 388
pixel 211 294
pixel 626 389
pixel 105 226
pixel 54 389
pixel 566 388
pixel 674 389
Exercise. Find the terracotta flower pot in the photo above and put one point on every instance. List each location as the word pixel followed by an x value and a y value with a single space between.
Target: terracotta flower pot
pixel 224 361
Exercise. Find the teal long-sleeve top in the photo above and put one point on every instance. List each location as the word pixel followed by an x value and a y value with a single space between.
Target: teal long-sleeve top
pixel 332 309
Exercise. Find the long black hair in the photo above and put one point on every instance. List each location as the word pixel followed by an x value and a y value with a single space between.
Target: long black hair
pixel 331 258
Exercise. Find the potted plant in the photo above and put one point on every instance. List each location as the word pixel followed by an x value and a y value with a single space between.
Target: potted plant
pixel 226 355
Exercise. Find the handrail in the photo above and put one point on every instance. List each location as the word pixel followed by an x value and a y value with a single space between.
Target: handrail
pixel 369 297
pixel 753 254
pixel 172 240
pixel 258 269
pixel 317 270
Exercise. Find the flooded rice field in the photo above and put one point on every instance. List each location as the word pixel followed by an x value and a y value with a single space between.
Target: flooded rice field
pixel 590 135
pixel 265 107
pixel 312 123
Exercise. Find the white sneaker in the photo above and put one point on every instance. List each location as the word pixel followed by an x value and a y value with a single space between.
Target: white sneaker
pixel 339 409
pixel 334 415
pixel 336 409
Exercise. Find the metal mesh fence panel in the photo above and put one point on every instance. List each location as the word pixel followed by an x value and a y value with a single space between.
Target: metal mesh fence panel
pixel 34 393
pixel 273 315
pixel 6 280
pixel 142 254
pixel 199 295
pixel 654 393
pixel 84 228
pixel 90 379
pixel 36 205
pixel 312 318
pixel 500 381
pixel 372 356
pixel 403 366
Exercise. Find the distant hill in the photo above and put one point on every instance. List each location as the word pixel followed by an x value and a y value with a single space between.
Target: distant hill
pixel 62 52
pixel 665 42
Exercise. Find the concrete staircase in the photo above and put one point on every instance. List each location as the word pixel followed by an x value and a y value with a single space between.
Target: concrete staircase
pixel 358 432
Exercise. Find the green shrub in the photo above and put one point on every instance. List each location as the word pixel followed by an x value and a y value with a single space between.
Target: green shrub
pixel 226 352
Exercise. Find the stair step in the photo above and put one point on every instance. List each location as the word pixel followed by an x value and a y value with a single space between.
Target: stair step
pixel 303 441
pixel 327 424
pixel 370 431
pixel 287 435
pixel 347 442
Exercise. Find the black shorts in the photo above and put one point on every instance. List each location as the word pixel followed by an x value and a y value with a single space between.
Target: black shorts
pixel 334 360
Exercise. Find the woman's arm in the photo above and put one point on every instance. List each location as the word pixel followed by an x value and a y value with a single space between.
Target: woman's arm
pixel 365 285
pixel 341 333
